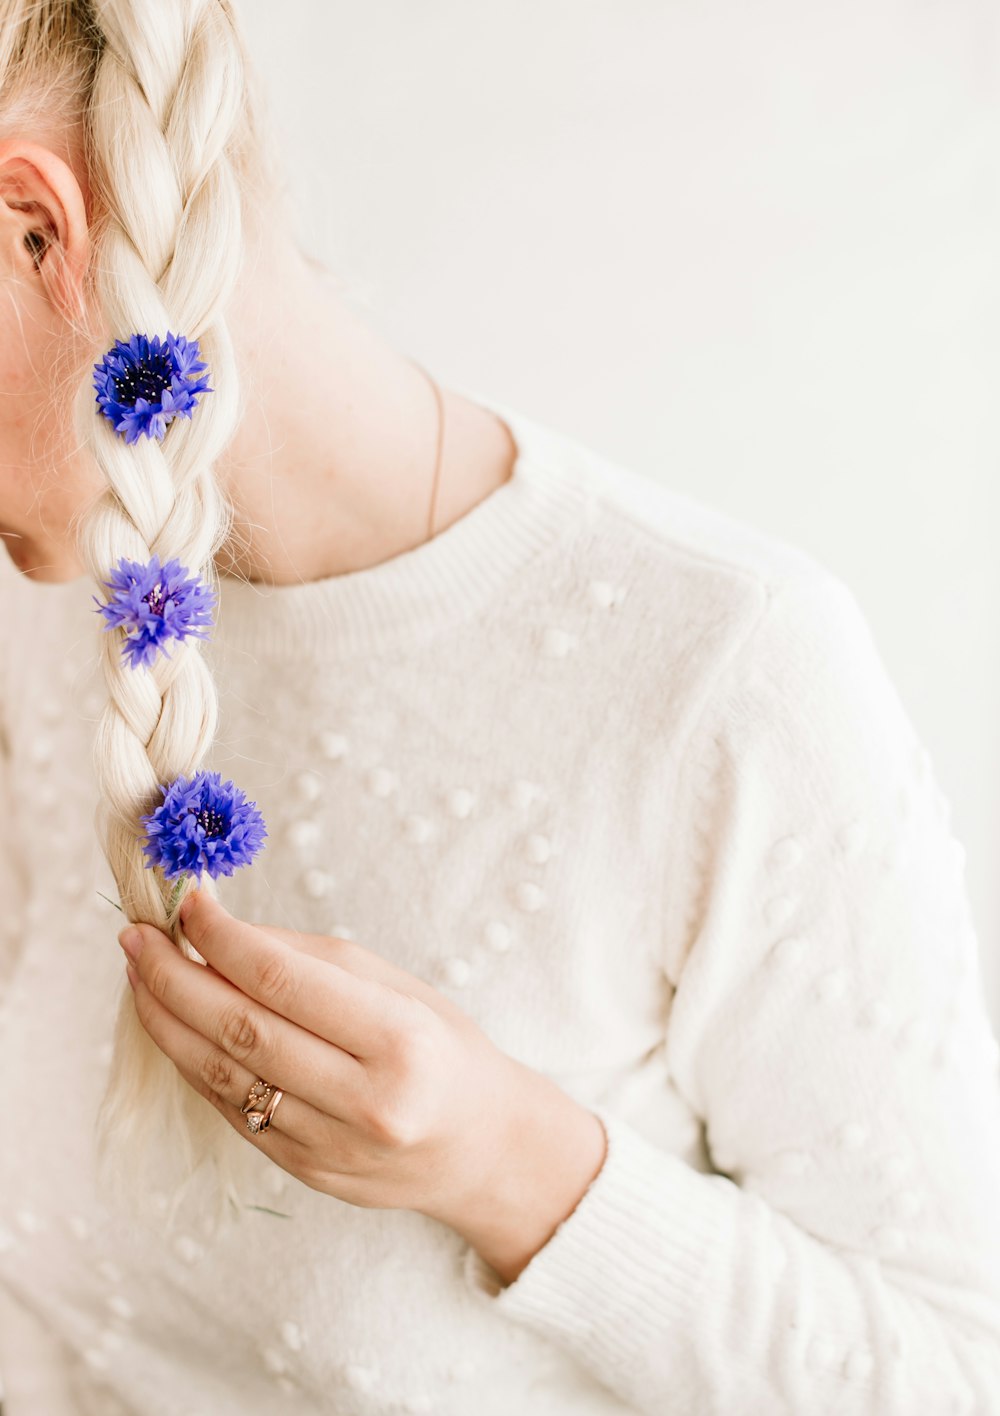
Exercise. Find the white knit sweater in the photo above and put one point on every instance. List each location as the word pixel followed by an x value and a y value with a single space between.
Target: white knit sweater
pixel 627 780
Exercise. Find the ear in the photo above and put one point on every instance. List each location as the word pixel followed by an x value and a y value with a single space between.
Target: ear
pixel 43 222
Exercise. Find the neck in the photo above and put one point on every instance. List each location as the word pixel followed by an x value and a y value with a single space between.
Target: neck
pixel 332 468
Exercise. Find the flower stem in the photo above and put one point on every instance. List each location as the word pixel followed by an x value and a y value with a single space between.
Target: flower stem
pixel 176 893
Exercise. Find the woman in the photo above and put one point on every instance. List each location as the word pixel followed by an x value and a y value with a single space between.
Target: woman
pixel 591 1019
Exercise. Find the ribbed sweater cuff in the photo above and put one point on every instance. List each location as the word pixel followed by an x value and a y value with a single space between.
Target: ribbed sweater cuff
pixel 629 1264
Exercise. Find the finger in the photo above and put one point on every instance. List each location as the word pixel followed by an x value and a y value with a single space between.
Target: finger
pixel 359 1015
pixel 227 1020
pixel 365 963
pixel 212 1073
pixel 285 1150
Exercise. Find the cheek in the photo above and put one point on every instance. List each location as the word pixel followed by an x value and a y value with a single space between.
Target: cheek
pixel 45 481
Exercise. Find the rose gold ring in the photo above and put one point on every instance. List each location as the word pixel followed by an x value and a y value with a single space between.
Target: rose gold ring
pixel 259 1092
pixel 258 1121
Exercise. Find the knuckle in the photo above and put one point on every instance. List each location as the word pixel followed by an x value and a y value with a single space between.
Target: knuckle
pixel 397 1127
pixel 157 981
pixel 217 1072
pixel 396 1014
pixel 399 1112
pixel 239 1032
pixel 391 1120
pixel 378 1122
pixel 273 979
pixel 413 1041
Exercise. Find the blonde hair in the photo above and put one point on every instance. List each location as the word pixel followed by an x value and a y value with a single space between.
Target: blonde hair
pixel 174 147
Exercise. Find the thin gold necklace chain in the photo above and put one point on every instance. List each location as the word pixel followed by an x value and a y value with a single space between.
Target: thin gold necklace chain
pixel 440 444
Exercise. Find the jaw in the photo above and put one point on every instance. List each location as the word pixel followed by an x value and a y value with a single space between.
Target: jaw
pixel 45 564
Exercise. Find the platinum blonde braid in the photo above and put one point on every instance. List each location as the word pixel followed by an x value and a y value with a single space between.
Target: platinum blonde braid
pixel 168 94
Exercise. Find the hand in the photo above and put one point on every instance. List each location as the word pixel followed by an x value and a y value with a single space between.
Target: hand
pixel 393 1096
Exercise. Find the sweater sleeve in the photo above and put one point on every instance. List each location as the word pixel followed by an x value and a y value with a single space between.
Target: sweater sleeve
pixel 828 1025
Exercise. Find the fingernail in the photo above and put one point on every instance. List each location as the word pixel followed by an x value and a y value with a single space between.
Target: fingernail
pixel 131 974
pixel 131 941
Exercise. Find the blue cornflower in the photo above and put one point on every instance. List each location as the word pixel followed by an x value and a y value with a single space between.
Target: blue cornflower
pixel 155 603
pixel 144 383
pixel 203 823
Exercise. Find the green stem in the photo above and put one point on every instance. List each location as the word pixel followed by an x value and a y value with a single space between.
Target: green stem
pixel 176 893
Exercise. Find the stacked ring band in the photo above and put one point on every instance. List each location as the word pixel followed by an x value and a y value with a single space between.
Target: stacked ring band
pixel 260 1091
pixel 260 1120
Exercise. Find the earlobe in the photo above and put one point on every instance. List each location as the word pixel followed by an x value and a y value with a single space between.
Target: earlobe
pixel 42 199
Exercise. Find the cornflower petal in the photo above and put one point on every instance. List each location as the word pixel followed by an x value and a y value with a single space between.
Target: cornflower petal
pixel 155 603
pixel 202 824
pixel 143 383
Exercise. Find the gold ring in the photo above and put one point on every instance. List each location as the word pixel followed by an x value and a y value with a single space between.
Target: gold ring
pixel 258 1121
pixel 260 1091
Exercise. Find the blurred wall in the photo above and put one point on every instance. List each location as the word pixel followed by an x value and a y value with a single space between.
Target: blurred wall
pixel 749 249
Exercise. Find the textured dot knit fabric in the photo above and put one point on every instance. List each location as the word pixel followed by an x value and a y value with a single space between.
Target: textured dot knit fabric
pixel 627 780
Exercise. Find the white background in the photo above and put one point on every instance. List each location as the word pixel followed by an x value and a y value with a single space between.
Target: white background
pixel 748 248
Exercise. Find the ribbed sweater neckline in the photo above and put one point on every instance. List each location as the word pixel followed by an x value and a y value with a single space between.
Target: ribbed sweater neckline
pixel 409 597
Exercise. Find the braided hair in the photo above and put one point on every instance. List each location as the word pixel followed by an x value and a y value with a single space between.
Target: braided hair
pixel 176 161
